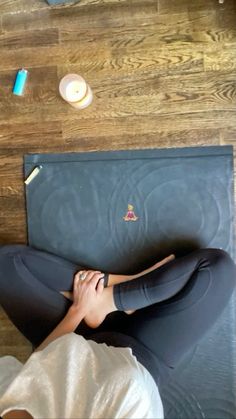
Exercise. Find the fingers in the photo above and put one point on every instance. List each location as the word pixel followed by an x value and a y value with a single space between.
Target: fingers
pixel 76 281
pixel 95 279
pixel 100 286
pixel 84 274
pixel 89 276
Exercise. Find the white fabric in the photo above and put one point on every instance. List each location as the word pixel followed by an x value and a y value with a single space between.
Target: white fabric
pixel 77 378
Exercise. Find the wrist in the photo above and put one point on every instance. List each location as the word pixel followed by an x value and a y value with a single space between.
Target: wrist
pixel 75 315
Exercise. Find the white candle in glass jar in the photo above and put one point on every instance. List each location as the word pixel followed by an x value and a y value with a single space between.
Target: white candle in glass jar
pixel 74 90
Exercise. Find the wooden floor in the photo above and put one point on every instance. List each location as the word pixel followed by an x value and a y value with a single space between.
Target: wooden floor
pixel 163 73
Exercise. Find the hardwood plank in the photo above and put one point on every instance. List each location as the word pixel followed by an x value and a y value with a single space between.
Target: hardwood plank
pixel 160 105
pixel 12 161
pixel 166 58
pixel 98 15
pixel 172 6
pixel 203 26
pixel 15 220
pixel 30 57
pixel 13 343
pixel 155 139
pixel 27 138
pixel 36 112
pixel 14 204
pixel 222 59
pixel 228 136
pixel 14 6
pixel 31 135
pixel 29 39
pixel 226 15
pixel 143 96
pixel 148 124
pixel 166 94
pixel 152 33
pixel 119 111
pixel 12 193
pixel 49 56
pixel 13 231
pixel 104 2
pixel 41 87
pixel 212 87
pixel 10 186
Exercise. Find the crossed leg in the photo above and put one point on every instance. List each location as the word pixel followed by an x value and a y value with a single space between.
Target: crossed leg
pixel 203 280
pixel 28 274
pixel 118 279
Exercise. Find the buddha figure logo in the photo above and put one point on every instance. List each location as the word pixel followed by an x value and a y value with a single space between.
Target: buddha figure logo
pixel 130 215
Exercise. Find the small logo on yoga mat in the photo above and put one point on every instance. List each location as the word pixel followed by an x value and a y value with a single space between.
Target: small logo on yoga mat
pixel 130 215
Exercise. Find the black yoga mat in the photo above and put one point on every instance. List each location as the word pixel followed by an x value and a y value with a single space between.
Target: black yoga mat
pixel 122 211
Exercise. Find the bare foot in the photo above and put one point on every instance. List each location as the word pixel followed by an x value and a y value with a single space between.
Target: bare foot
pixel 89 317
pixel 95 316
pixel 100 309
pixel 103 306
pixel 98 313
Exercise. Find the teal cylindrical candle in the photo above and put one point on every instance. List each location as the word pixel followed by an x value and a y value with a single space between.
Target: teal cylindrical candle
pixel 20 82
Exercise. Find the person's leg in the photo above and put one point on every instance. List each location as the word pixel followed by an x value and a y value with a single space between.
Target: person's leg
pixel 58 273
pixel 191 293
pixel 114 279
pixel 30 285
pixel 30 281
pixel 32 307
pixel 40 296
pixel 153 287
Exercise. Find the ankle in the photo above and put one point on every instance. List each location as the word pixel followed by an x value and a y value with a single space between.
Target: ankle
pixel 114 279
pixel 107 300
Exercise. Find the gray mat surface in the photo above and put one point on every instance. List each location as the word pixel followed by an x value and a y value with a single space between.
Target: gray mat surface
pixel 182 199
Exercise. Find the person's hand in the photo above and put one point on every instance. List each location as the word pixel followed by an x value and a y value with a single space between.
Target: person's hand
pixel 85 293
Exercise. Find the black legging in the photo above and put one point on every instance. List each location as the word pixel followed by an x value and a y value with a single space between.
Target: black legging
pixel 178 302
